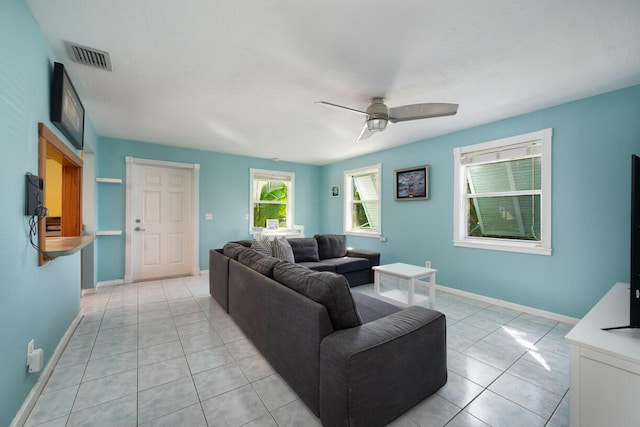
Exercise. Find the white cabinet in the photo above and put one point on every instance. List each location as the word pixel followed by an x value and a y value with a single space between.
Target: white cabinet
pixel 605 365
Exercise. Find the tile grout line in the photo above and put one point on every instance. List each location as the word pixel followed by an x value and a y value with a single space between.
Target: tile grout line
pixel 547 420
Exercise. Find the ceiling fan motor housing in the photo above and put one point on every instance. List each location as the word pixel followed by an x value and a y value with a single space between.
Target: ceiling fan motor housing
pixel 378 115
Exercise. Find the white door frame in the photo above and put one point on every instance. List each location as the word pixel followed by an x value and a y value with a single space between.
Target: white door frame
pixel 195 186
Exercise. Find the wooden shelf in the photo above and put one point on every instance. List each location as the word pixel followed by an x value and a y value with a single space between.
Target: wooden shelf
pixel 61 246
pixel 110 180
pixel 109 233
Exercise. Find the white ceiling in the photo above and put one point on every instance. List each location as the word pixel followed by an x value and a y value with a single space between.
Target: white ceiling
pixel 242 76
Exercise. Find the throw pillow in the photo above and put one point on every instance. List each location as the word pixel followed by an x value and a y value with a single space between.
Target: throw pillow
pixel 262 245
pixel 282 249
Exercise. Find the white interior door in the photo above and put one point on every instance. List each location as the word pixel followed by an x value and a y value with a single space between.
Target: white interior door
pixel 162 228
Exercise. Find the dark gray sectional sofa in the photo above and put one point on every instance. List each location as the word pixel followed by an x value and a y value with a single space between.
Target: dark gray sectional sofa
pixel 352 359
pixel 329 252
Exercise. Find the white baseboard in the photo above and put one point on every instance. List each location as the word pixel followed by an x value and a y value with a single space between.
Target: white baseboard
pixel 36 390
pixel 127 280
pixel 523 308
pixel 110 283
pixel 90 291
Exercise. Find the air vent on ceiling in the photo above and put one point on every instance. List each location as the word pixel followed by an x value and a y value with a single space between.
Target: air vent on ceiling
pixel 89 56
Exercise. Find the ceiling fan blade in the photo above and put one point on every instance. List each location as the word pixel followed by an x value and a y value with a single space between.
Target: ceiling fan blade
pixel 421 111
pixel 364 133
pixel 329 104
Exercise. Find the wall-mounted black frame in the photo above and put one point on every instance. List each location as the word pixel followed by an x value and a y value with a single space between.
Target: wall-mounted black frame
pixel 67 112
pixel 412 183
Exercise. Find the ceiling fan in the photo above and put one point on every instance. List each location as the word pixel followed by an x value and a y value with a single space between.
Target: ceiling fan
pixel 378 114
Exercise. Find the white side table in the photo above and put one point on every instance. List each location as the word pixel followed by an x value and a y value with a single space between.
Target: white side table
pixel 410 273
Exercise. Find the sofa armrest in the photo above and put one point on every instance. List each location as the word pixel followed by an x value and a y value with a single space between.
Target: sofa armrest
pixel 373 373
pixel 219 277
pixel 373 257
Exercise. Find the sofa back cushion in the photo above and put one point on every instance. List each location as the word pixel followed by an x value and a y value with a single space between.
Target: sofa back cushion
pixel 256 261
pixel 331 245
pixel 328 289
pixel 305 249
pixel 233 249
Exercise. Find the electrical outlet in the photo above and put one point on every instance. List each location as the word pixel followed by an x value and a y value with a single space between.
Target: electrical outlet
pixel 428 264
pixel 208 216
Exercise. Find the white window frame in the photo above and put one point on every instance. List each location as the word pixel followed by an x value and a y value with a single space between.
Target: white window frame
pixel 460 205
pixel 348 201
pixel 275 175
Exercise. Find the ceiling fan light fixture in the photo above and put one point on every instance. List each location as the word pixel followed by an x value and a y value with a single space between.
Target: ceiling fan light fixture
pixel 376 124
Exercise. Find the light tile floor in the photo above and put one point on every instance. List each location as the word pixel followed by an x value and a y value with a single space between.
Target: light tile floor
pixel 163 353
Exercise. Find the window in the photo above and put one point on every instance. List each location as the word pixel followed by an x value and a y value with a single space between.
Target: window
pixel 271 198
pixel 69 165
pixel 362 201
pixel 503 194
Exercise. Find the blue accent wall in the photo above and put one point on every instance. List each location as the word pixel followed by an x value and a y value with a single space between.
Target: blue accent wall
pixel 35 302
pixel 224 192
pixel 593 140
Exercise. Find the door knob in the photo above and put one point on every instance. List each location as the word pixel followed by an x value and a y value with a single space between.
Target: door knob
pixel 139 229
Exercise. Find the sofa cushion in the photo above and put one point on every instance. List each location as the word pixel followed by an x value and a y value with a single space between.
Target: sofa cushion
pixel 256 261
pixel 232 249
pixel 318 266
pixel 331 245
pixel 347 264
pixel 262 245
pixel 282 249
pixel 305 249
pixel 329 289
pixel 371 309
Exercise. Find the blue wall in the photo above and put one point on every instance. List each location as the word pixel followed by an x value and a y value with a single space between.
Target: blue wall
pixel 593 140
pixel 224 192
pixel 592 143
pixel 35 302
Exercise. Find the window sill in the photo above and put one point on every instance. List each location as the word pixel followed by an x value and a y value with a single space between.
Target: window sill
pixel 289 233
pixel 535 249
pixel 375 235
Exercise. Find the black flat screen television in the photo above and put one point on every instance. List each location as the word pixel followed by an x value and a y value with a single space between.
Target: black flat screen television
pixel 66 112
pixel 634 309
pixel 634 258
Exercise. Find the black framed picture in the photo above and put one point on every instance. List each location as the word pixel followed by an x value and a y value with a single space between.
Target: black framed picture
pixel 412 183
pixel 67 112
